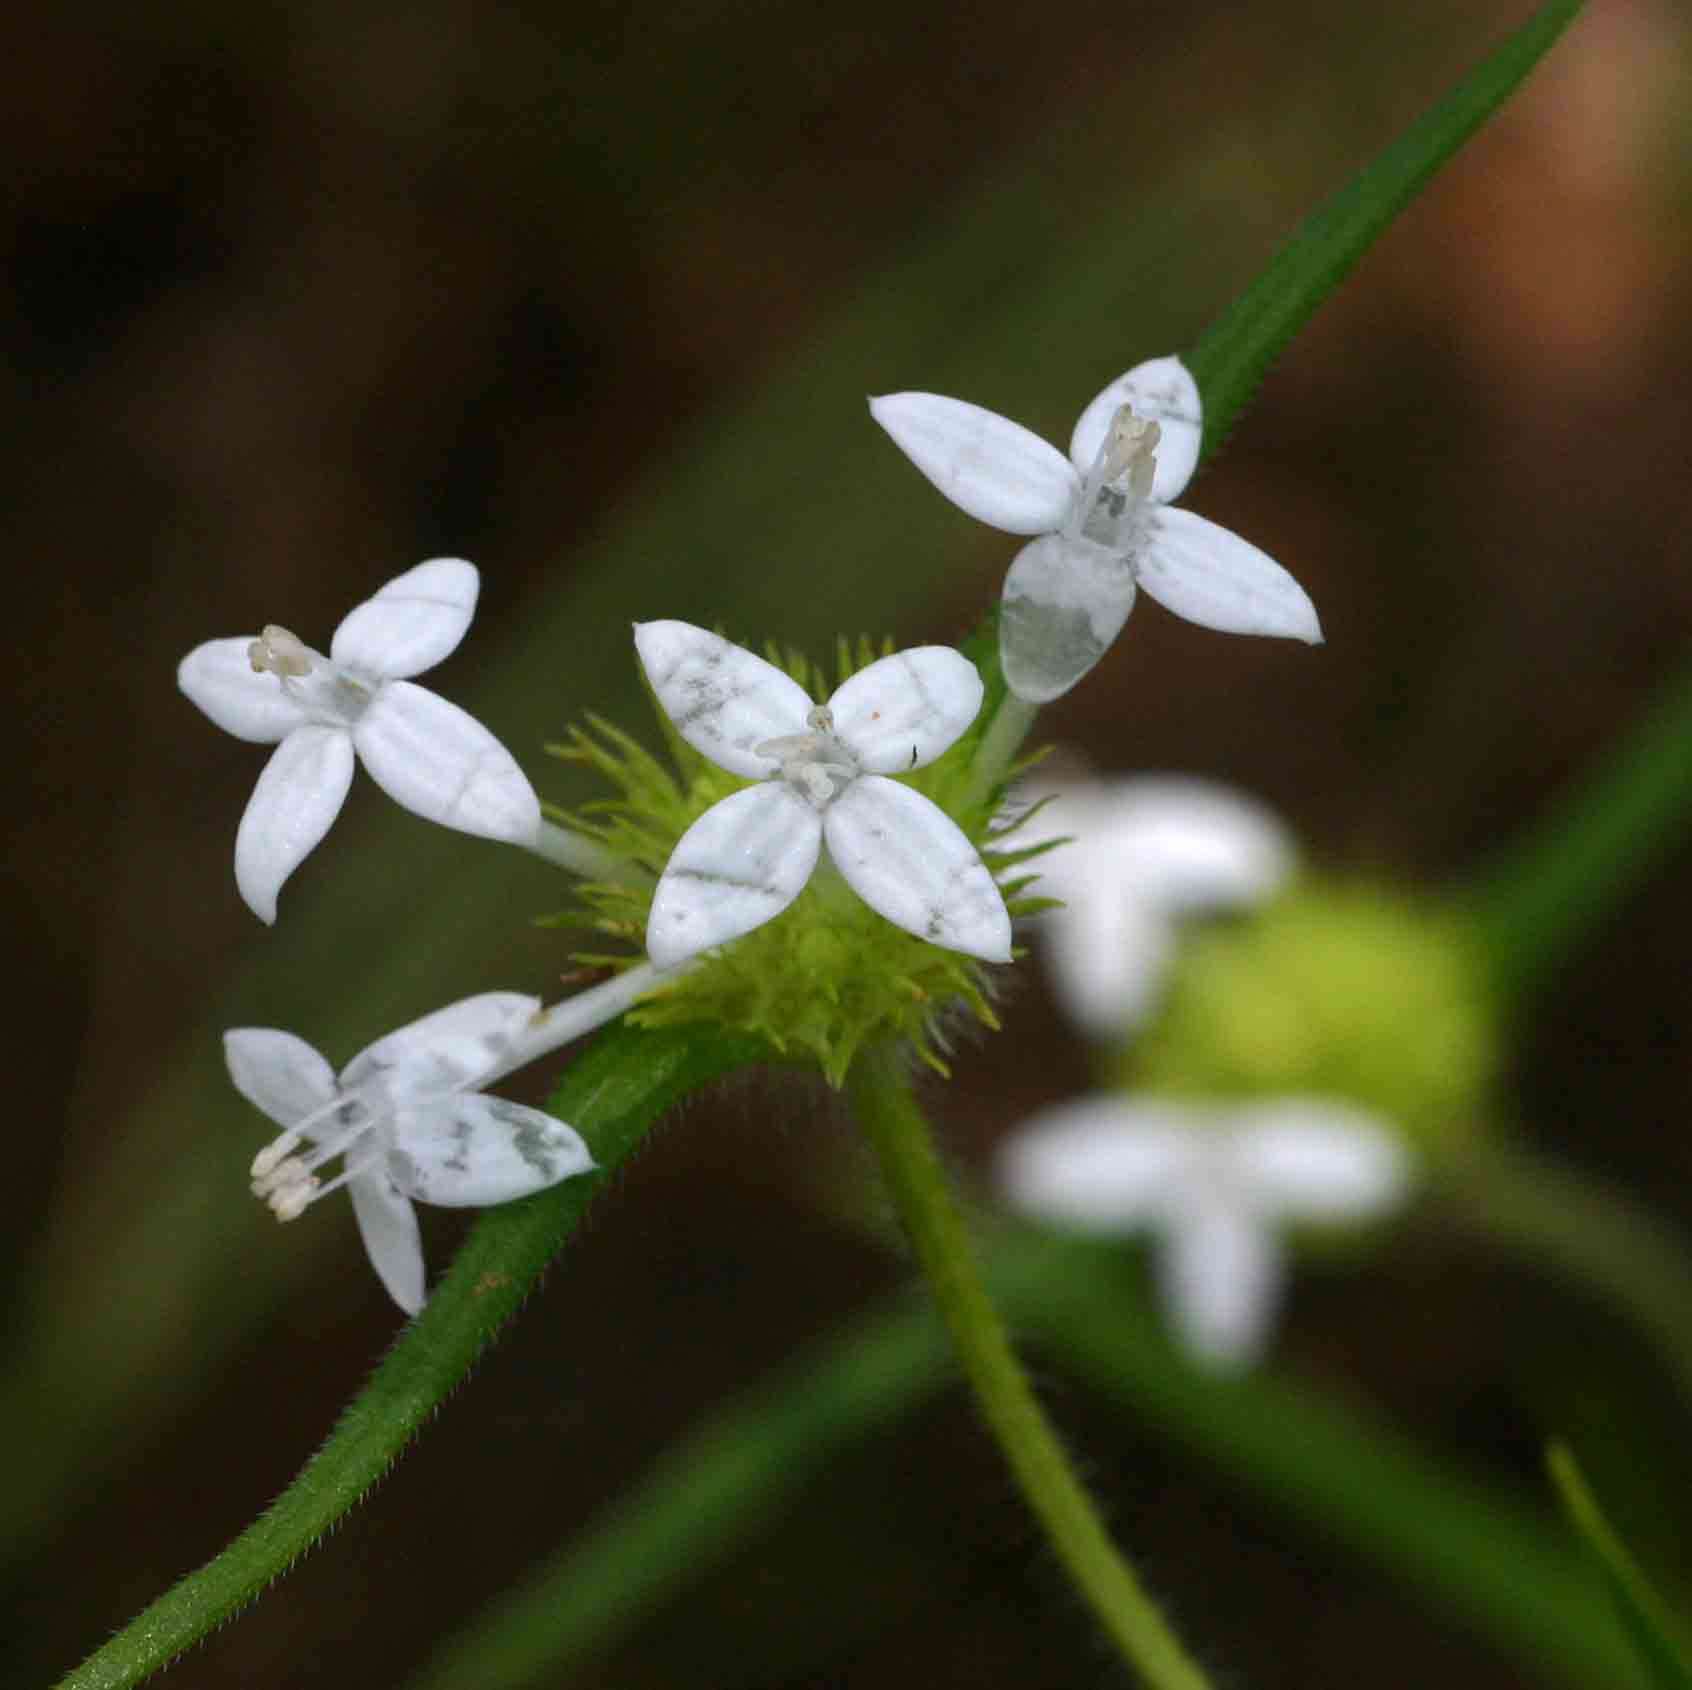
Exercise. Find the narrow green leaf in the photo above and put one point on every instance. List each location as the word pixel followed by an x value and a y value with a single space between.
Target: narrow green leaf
pixel 612 1095
pixel 1462 1549
pixel 1642 1612
pixel 1230 360
pixel 1558 883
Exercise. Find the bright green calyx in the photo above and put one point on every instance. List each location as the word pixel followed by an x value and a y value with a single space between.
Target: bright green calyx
pixel 1345 991
pixel 828 976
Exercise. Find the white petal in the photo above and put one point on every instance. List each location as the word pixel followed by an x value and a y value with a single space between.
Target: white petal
pixel 995 469
pixel 1104 1164
pixel 1065 600
pixel 1220 1270
pixel 219 677
pixel 741 864
pixel 412 623
pixel 298 795
pixel 278 1073
pixel 909 861
pixel 1308 1158
pixel 388 1225
pixel 1201 571
pixel 1162 389
pixel 1108 958
pixel 440 762
pixel 448 1048
pixel 903 711
pixel 722 699
pixel 473 1149
pixel 1189 845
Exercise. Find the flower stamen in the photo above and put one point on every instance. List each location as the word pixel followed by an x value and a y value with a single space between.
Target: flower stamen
pixel 278 652
pixel 816 762
pixel 1118 485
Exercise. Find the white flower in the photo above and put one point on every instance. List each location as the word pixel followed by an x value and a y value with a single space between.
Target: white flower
pixel 407 1122
pixel 1215 1186
pixel 1140 854
pixel 1104 523
pixel 822 774
pixel 427 754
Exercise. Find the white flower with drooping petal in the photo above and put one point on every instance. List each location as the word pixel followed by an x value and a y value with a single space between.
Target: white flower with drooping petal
pixel 407 1123
pixel 1215 1187
pixel 429 755
pixel 822 774
pixel 1103 520
pixel 1139 855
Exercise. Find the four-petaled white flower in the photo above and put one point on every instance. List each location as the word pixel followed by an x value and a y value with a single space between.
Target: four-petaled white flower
pixel 1215 1186
pixel 428 754
pixel 1139 855
pixel 1104 523
pixel 822 774
pixel 407 1122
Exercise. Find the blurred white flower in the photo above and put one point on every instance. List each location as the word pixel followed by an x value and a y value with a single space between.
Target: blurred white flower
pixel 1142 853
pixel 1215 1186
pixel 822 774
pixel 427 754
pixel 408 1124
pixel 1103 520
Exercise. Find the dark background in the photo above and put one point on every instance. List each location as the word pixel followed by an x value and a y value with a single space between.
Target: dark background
pixel 295 297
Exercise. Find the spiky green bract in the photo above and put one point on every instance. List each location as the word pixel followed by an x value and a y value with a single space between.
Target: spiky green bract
pixel 828 976
pixel 1346 991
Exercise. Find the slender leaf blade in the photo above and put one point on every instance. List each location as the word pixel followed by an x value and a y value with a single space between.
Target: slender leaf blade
pixel 1230 361
pixel 1643 1614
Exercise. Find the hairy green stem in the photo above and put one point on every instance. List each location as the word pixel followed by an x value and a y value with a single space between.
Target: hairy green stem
pixel 1588 1233
pixel 882 1099
pixel 612 1095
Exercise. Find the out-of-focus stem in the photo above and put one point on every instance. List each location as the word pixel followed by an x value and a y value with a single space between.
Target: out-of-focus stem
pixel 1587 1233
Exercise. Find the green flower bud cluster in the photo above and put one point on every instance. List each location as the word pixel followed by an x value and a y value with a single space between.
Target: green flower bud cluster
pixel 1348 991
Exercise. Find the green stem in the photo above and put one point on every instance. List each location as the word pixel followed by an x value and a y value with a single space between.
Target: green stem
pixel 881 1097
pixel 1592 1236
pixel 579 855
pixel 999 745
pixel 612 1095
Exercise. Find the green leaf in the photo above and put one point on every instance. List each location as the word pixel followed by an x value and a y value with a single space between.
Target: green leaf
pixel 1230 360
pixel 1643 1614
pixel 612 1095
pixel 1559 882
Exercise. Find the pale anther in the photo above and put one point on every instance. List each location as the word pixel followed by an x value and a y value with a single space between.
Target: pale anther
pixel 278 652
pixel 1131 450
pixel 272 1155
pixel 292 1201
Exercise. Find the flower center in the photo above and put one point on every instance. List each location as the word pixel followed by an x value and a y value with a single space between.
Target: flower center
pixel 818 764
pixel 324 690
pixel 1109 507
